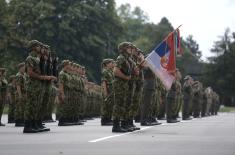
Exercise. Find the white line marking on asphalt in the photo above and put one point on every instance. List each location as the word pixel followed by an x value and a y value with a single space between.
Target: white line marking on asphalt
pixel 108 137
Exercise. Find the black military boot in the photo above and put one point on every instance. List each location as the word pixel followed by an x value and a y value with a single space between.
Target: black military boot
pixel 28 127
pixel 137 118
pixel 65 122
pixel 78 121
pixel 154 121
pixel 131 123
pixel 124 125
pixel 19 123
pixel 41 127
pixel 106 122
pixel 117 127
pixel 11 120
pixel 171 121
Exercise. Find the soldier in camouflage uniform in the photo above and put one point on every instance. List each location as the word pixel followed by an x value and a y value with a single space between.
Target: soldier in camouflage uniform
pixel 187 92
pixel 21 95
pixel 197 104
pixel 12 99
pixel 66 108
pixel 121 77
pixel 34 89
pixel 208 93
pixel 179 95
pixel 162 100
pixel 149 89
pixel 137 79
pixel 107 91
pixel 171 102
pixel 3 92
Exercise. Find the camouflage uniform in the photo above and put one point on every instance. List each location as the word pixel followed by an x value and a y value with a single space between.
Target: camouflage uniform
pixel 149 88
pixel 20 105
pixel 64 107
pixel 171 103
pixel 162 100
pixel 137 92
pixel 33 89
pixel 108 101
pixel 187 92
pixel 121 88
pixel 196 100
pixel 12 100
pixel 178 100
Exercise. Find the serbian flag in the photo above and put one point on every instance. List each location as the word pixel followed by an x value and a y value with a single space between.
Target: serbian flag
pixel 162 59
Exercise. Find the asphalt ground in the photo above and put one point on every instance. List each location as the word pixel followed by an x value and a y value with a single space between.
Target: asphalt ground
pixel 213 135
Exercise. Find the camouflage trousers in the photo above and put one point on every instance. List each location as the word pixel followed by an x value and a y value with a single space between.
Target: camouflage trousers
pixel 65 110
pixel 137 98
pixel 178 102
pixel 107 106
pixel 129 105
pixel 11 109
pixel 197 105
pixel 33 104
pixel 155 104
pixel 171 105
pixel 20 108
pixel 120 99
pixel 146 104
pixel 162 107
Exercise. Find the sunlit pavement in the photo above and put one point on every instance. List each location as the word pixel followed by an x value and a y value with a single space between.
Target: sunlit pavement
pixel 213 135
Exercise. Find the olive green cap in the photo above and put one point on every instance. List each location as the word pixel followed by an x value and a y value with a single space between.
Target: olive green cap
pixel 122 46
pixel 33 43
pixel 65 62
pixel 21 65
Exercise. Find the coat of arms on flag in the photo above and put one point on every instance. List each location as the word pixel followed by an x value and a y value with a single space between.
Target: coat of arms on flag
pixel 162 59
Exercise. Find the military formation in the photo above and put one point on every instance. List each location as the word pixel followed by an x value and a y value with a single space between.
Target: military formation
pixel 129 93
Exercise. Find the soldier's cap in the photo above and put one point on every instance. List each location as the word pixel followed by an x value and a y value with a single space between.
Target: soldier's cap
pixel 187 77
pixel 83 67
pixel 77 65
pixel 139 51
pixel 124 45
pixel 106 61
pixel 46 46
pixel 195 83
pixel 65 63
pixel 22 64
pixel 33 43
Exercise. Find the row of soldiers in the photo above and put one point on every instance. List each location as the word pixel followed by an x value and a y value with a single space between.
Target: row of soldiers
pixel 78 98
pixel 33 92
pixel 132 91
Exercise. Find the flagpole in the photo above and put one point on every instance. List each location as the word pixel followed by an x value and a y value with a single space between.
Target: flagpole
pixel 168 36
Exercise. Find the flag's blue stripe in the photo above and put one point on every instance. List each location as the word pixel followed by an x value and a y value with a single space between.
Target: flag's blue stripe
pixel 162 49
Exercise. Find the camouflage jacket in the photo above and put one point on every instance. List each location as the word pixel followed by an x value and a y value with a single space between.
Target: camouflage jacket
pixel 108 76
pixel 21 81
pixel 123 64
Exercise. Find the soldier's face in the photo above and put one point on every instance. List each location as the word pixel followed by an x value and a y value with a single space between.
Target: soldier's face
pixel 129 50
pixel 38 48
pixel 22 69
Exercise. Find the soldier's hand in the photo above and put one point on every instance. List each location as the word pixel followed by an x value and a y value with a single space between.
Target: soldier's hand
pixel 128 77
pixel 53 78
